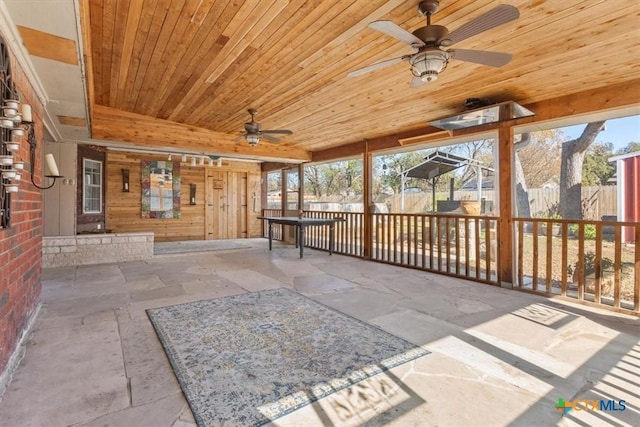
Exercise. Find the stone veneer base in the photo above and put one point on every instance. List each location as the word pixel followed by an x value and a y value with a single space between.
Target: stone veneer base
pixel 59 251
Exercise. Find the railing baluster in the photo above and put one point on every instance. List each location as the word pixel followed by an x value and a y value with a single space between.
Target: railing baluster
pixel 466 246
pixel 617 275
pixel 549 254
pixel 521 225
pixel 565 259
pixel 487 239
pixel 400 239
pixel 457 233
pixel 447 243
pixel 636 280
pixel 534 279
pixel 389 238
pixel 581 278
pixel 477 239
pixel 597 292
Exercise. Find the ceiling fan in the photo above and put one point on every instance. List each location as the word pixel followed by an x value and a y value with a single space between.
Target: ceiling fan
pixel 253 131
pixel 430 58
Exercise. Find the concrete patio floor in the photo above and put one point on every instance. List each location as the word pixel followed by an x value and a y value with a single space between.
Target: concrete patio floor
pixel 499 357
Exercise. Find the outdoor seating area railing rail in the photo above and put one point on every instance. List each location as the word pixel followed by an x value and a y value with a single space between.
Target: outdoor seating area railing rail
pixel 457 245
pixel 596 262
pixel 589 261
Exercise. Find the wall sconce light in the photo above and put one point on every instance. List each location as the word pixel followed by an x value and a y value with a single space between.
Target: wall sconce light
pixel 193 161
pixel 183 159
pixel 54 173
pixel 125 180
pixel 192 194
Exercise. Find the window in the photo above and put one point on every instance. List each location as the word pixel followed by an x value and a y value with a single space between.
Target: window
pixel 293 186
pixel 92 186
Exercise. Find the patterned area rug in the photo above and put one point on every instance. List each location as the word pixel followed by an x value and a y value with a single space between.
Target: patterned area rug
pixel 249 359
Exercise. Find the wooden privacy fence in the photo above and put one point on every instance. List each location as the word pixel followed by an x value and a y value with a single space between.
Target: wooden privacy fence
pixel 583 260
pixel 597 201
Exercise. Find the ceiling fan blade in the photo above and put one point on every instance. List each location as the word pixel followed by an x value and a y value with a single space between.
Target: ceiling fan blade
pixel 492 59
pixel 416 82
pixel 495 17
pixel 269 138
pixel 240 138
pixel 278 131
pixel 397 32
pixel 376 66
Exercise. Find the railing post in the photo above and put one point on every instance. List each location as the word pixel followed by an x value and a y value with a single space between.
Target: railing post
pixel 367 169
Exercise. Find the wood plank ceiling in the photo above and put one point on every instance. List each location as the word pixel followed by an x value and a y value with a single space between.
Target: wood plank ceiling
pixel 202 63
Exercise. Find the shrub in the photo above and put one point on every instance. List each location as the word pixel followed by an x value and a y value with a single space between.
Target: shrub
pixel 589 231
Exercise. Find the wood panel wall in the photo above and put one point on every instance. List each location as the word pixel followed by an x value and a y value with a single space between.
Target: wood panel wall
pixel 124 209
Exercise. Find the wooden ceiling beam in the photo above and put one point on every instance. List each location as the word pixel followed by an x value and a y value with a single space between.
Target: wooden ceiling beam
pixel 122 126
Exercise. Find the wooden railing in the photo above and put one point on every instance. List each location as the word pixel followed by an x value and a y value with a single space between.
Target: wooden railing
pixel 457 245
pixel 589 261
pixel 349 233
pixel 276 229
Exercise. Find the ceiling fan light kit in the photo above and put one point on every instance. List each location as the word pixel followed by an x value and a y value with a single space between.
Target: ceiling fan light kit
pixel 252 139
pixel 429 59
pixel 428 64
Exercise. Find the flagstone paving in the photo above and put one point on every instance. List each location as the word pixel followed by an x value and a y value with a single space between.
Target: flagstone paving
pixel 499 357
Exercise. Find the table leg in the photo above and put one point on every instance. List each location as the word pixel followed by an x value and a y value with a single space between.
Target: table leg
pixel 270 234
pixel 301 237
pixel 296 235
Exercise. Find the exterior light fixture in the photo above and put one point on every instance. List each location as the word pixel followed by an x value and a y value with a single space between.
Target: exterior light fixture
pixel 252 139
pixel 429 63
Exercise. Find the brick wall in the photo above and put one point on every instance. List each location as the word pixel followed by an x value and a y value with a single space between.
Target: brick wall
pixel 21 244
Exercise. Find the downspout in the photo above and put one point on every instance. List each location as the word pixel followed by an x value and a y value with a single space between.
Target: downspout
pixel 83 70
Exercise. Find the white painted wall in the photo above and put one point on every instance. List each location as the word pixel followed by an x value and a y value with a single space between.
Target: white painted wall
pixel 59 216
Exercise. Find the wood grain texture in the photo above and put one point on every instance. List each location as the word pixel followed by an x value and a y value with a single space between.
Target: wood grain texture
pixel 203 63
pixel 149 132
pixel 49 46
pixel 72 121
pixel 123 211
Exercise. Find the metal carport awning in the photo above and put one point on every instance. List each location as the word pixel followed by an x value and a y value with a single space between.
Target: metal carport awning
pixel 436 164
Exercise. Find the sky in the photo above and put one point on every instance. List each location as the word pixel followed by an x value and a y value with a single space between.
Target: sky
pixel 620 131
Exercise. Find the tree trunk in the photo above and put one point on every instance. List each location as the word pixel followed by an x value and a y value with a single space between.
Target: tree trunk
pixel 523 208
pixel 570 204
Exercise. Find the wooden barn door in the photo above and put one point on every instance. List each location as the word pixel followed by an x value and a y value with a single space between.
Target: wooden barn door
pixel 226 205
